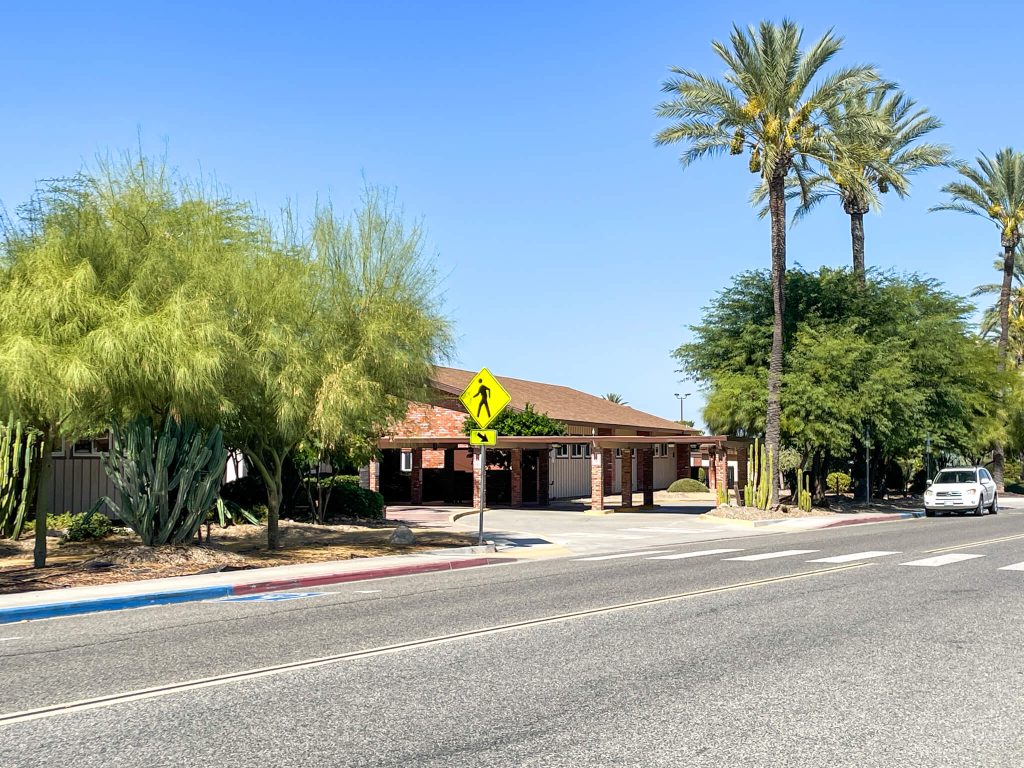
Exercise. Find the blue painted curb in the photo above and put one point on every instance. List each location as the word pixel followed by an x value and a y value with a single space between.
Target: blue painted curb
pixel 49 610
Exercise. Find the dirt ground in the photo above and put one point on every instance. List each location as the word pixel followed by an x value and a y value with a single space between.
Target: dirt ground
pixel 122 558
pixel 753 513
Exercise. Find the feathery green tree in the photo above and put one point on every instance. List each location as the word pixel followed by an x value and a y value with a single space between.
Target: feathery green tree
pixel 994 190
pixel 109 285
pixel 774 102
pixel 338 331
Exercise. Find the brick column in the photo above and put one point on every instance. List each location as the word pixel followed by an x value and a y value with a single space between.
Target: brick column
pixel 598 475
pixel 682 461
pixel 712 469
pixel 722 470
pixel 416 477
pixel 476 478
pixel 741 470
pixel 543 478
pixel 645 466
pixel 608 465
pixel 369 476
pixel 517 477
pixel 627 477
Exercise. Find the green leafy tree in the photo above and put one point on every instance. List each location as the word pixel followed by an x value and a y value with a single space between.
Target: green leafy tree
pixel 338 331
pixel 525 423
pixel 994 190
pixel 897 356
pixel 110 284
pixel 773 102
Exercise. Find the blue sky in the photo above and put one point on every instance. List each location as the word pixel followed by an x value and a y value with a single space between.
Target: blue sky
pixel 573 250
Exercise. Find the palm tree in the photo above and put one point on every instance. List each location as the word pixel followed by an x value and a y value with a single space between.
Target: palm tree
pixel 614 397
pixel 994 190
pixel 869 163
pixel 772 103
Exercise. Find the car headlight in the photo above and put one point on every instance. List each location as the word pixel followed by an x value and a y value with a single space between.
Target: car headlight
pixel 972 491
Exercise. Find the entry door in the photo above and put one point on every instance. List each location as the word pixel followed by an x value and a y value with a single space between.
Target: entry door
pixel 530 475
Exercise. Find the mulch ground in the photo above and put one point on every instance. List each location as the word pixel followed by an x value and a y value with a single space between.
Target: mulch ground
pixel 753 513
pixel 121 557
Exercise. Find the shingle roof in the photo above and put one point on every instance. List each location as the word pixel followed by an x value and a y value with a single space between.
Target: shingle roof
pixel 562 403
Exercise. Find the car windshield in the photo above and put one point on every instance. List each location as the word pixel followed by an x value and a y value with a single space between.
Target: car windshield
pixel 958 476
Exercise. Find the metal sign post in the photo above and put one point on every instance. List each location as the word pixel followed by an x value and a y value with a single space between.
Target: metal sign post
pixel 484 398
pixel 483 490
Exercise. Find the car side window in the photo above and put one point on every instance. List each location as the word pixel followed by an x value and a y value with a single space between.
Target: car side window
pixel 985 475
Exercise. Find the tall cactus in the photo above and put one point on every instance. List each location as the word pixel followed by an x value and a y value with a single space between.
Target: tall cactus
pixel 167 483
pixel 803 490
pixel 20 452
pixel 757 491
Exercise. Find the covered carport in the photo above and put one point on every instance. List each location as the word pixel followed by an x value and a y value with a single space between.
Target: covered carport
pixel 525 463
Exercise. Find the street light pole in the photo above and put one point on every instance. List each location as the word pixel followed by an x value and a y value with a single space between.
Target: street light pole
pixel 682 399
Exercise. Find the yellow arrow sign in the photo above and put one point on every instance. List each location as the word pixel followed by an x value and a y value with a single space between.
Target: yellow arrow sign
pixel 483 437
pixel 485 398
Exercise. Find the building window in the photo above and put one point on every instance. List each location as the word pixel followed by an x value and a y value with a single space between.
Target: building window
pixel 618 453
pixel 61 450
pixel 561 451
pixel 657 451
pixel 580 451
pixel 405 465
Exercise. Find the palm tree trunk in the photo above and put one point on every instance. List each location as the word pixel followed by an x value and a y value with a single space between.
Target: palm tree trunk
pixel 773 428
pixel 999 450
pixel 857 239
pixel 47 448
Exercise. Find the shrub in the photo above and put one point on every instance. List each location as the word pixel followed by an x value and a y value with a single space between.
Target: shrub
pixel 702 476
pixel 838 482
pixel 88 526
pixel 686 485
pixel 349 499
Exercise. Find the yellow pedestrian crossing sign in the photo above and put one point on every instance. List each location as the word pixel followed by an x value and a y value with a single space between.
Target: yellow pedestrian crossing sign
pixel 485 398
pixel 483 437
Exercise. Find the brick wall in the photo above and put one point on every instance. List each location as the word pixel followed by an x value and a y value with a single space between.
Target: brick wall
pixel 424 420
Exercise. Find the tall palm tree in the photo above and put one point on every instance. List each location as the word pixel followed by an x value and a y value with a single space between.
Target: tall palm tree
pixel 772 102
pixel 615 397
pixel 994 190
pixel 869 163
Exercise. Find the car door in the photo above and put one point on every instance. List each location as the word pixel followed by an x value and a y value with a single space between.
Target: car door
pixel 988 485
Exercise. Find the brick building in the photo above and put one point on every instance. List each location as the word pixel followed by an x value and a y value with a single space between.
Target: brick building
pixel 426 458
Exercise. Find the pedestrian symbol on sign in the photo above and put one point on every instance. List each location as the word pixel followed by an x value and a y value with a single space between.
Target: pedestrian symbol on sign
pixel 484 394
pixel 485 398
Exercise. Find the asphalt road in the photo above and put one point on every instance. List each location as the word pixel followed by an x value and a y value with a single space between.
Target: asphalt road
pixel 865 661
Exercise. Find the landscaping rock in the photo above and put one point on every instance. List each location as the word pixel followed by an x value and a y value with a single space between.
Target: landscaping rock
pixel 402 537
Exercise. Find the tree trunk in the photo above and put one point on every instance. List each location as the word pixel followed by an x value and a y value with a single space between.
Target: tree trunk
pixel 42 499
pixel 857 239
pixel 275 492
pixel 998 450
pixel 773 426
pixel 818 487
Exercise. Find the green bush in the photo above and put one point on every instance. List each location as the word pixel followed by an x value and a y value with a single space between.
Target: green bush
pixel 686 485
pixel 838 482
pixel 88 526
pixel 702 476
pixel 348 499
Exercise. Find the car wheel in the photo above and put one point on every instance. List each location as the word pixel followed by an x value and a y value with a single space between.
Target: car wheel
pixel 981 506
pixel 994 508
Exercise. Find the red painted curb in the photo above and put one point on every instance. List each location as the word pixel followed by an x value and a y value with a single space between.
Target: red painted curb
pixel 376 573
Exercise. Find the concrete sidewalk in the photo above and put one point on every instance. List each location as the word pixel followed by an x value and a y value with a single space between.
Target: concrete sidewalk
pixel 134 594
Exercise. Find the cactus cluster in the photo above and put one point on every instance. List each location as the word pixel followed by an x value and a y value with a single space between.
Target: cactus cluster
pixel 20 451
pixel 758 490
pixel 803 490
pixel 166 483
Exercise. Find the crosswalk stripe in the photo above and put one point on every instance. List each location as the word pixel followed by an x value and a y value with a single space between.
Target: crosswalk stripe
pixel 1014 567
pixel 855 556
pixel 942 560
pixel 702 553
pixel 771 555
pixel 624 554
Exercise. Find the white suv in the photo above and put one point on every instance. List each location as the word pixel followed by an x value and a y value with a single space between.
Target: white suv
pixel 961 489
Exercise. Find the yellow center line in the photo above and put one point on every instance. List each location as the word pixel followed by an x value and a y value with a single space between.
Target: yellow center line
pixel 977 543
pixel 209 682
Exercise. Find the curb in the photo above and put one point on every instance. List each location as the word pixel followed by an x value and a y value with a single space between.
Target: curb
pixel 889 518
pixel 167 597
pixel 880 518
pixel 464 513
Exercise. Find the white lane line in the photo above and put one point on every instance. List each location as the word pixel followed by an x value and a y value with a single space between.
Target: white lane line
pixel 854 556
pixel 1014 567
pixel 624 554
pixel 5 639
pixel 934 562
pixel 367 591
pixel 772 555
pixel 702 553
